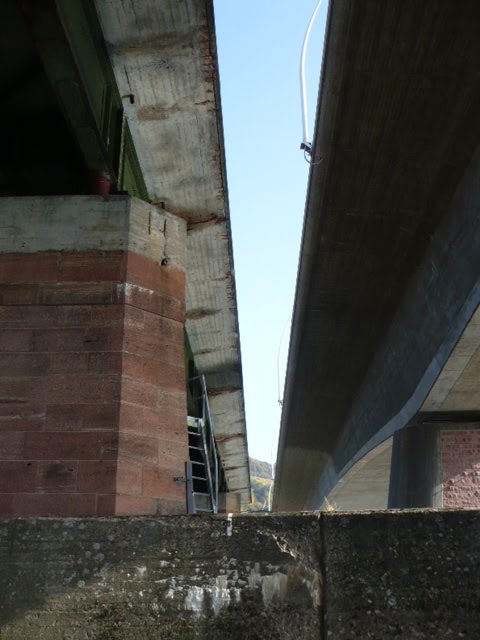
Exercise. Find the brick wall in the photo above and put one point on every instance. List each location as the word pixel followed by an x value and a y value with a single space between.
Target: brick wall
pixel 460 452
pixel 92 381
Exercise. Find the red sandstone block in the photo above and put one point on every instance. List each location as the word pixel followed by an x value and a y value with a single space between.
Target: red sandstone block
pixel 70 362
pixel 172 507
pixel 171 425
pixel 135 506
pixel 6 505
pixel 11 445
pixel 90 316
pixel 78 388
pixel 150 342
pixel 82 294
pixel 54 504
pixel 150 274
pixel 101 417
pixel 21 294
pixel 27 316
pixel 129 479
pixel 172 455
pixel 168 423
pixel 60 389
pixel 92 266
pixel 160 374
pixel 57 476
pixel 104 339
pixel 160 484
pixel 24 364
pixel 28 267
pixel 172 399
pixel 163 328
pixel 64 417
pixel 134 318
pixel 172 340
pixel 145 299
pixel 138 392
pixel 18 477
pixel 110 315
pixel 137 448
pixel 22 418
pixel 61 340
pixel 105 362
pixel 72 316
pixel 131 419
pixel 82 417
pixel 106 505
pixel 17 391
pixel 78 339
pixel 95 476
pixel 69 446
pixel 15 340
pixel 147 345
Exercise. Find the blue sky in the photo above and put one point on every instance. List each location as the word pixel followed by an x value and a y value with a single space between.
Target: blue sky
pixel 259 47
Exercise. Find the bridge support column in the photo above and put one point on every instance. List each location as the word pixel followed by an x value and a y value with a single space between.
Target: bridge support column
pixel 92 380
pixel 415 469
pixel 436 465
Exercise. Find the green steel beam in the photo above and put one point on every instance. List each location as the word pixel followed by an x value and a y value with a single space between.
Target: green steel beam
pixel 69 40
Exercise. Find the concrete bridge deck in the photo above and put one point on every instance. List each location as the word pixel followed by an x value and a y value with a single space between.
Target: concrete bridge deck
pixel 389 270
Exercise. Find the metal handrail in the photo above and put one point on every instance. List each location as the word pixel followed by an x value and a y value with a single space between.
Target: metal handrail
pixel 206 431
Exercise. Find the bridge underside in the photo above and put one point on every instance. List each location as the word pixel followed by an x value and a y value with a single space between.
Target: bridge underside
pixel 388 276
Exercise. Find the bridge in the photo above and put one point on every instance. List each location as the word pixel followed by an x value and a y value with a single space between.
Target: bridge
pixel 382 402
pixel 117 288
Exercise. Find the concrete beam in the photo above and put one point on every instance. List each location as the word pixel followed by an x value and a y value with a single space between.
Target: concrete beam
pixel 388 275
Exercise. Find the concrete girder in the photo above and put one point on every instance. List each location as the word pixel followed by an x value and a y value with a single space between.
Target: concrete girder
pixel 388 275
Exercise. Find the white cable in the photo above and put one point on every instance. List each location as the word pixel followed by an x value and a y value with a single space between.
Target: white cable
pixel 306 142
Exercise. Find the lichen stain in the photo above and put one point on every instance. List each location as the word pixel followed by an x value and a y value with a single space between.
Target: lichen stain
pixel 194 600
pixel 274 587
pixel 220 594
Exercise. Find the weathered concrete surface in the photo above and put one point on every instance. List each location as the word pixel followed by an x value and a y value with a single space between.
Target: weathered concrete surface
pixel 342 576
pixel 456 387
pixel 91 223
pixel 160 578
pixel 365 486
pixel 389 271
pixel 402 575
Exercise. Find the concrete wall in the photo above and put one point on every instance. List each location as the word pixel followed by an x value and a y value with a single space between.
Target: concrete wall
pixel 405 575
pixel 342 576
pixel 92 378
pixel 163 579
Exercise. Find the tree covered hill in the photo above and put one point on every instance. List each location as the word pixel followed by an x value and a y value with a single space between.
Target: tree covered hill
pixel 261 479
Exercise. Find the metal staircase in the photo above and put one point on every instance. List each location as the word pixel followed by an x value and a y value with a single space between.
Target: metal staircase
pixel 202 470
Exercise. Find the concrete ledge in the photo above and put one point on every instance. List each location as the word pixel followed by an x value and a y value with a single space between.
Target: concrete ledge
pixel 91 223
pixel 336 575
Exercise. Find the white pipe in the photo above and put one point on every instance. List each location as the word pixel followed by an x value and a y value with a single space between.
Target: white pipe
pixel 306 142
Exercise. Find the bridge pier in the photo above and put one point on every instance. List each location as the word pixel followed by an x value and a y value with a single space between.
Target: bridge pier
pixel 92 373
pixel 436 465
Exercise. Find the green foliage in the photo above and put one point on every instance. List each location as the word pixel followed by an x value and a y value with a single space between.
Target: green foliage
pixel 260 469
pixel 260 475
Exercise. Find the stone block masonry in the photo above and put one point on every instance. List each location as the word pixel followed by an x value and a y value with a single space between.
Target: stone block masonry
pixel 460 459
pixel 342 576
pixel 92 380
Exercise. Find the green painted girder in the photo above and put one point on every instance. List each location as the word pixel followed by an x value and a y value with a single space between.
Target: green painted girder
pixel 69 40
